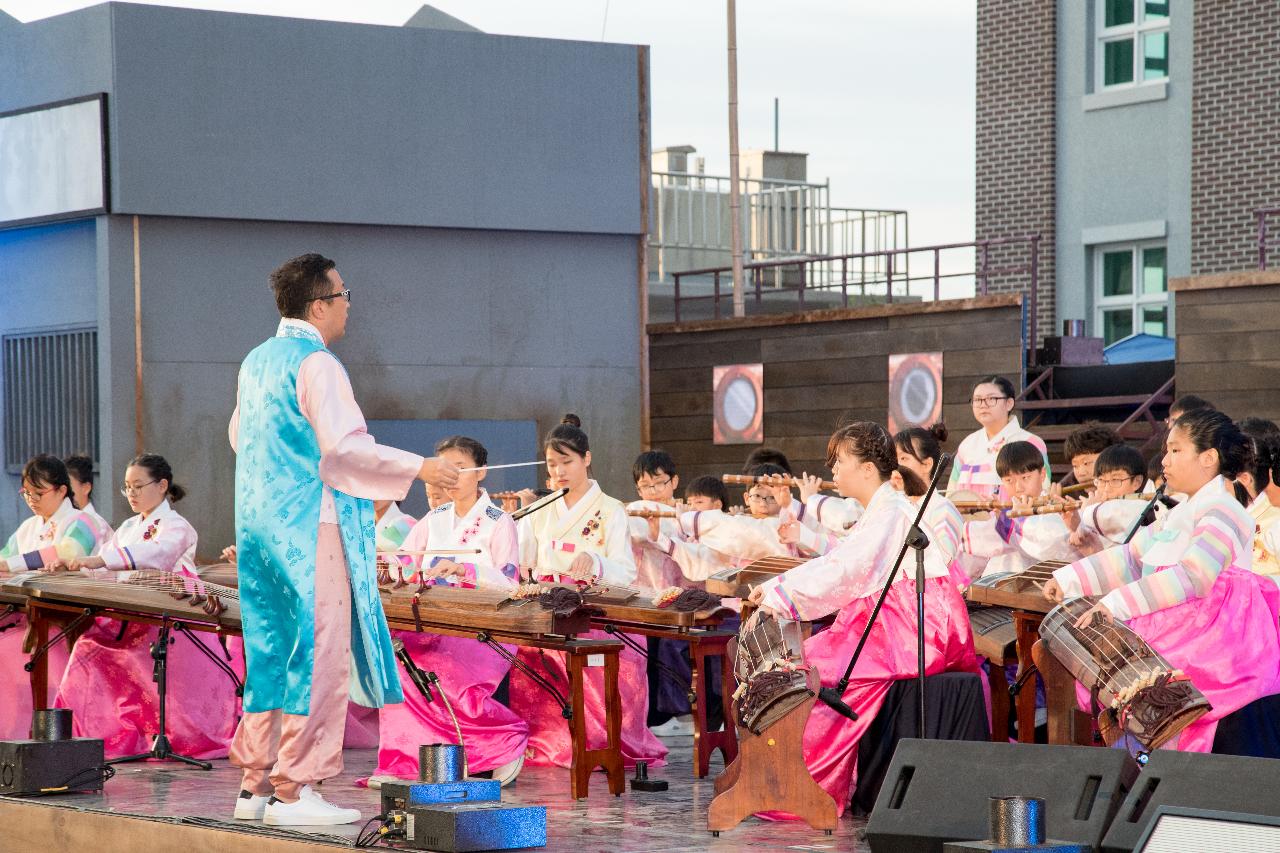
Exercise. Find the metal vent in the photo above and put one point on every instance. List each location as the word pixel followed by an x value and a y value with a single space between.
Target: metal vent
pixel 50 395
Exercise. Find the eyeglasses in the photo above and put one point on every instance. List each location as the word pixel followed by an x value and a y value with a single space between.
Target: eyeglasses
pixel 29 495
pixel 753 497
pixel 655 486
pixel 127 489
pixel 345 293
pixel 987 402
pixel 1112 481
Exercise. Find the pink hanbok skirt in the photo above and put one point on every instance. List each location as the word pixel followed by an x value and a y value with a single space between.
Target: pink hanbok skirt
pixel 109 688
pixel 830 740
pixel 15 682
pixel 549 742
pixel 1226 642
pixel 470 672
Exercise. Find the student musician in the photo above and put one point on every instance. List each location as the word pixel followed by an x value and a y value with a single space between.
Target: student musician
pixel 55 531
pixel 1082 447
pixel 1001 543
pixel 705 500
pixel 80 469
pixel 847 581
pixel 654 473
pixel 470 672
pixel 974 468
pixel 1187 590
pixel 1107 517
pixel 919 451
pixel 1264 496
pixel 584 539
pixel 108 683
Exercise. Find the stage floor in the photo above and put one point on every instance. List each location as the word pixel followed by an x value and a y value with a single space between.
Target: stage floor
pixel 658 823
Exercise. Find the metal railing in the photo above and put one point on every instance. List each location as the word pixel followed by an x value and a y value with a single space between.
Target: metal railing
pixel 1262 214
pixel 689 221
pixel 878 275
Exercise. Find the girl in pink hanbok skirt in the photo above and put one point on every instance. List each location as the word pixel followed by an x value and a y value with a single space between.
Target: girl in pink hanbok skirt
pixel 55 531
pixel 1187 589
pixel 582 538
pixel 493 735
pixel 846 581
pixel 108 683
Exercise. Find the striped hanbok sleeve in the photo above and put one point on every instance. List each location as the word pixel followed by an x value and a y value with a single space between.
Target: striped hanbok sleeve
pixel 391 538
pixel 1102 572
pixel 1218 537
pixel 79 539
pixel 946 526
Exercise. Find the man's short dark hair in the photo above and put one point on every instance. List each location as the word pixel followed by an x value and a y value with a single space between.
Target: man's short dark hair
pixel 1120 457
pixel 299 281
pixel 769 455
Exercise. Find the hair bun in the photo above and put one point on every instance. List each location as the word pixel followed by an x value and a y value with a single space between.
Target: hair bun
pixel 572 420
pixel 939 431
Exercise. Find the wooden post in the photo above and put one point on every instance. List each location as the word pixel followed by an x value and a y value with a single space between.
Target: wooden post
pixel 735 199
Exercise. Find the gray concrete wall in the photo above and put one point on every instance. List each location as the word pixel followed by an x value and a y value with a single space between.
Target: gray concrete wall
pixel 1120 165
pixel 444 324
pixel 480 193
pixel 254 117
pixel 48 279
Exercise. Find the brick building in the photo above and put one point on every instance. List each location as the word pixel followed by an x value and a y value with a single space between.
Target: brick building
pixel 1137 136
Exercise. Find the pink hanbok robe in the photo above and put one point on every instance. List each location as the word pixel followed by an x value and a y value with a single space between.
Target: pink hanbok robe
pixel 848 581
pixel 469 671
pixel 37 542
pixel 974 468
pixel 1189 592
pixel 655 569
pixel 108 683
pixel 549 541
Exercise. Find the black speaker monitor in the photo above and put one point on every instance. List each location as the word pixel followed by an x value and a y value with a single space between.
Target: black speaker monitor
pixel 939 791
pixel 1196 780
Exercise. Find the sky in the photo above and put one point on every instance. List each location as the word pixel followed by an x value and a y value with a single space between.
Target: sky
pixel 880 95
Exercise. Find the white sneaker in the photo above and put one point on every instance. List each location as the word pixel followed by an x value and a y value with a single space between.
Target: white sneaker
pixel 311 809
pixel 250 806
pixel 507 773
pixel 675 727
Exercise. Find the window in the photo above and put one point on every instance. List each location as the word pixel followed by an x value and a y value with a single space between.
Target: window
pixel 1133 42
pixel 50 395
pixel 1131 293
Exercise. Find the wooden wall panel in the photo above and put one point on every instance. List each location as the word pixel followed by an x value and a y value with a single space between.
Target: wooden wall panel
pixel 819 370
pixel 1228 347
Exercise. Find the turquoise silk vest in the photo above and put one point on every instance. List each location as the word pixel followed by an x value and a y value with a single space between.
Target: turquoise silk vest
pixel 278 493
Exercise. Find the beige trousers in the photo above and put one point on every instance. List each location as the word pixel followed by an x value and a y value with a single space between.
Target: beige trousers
pixel 282 752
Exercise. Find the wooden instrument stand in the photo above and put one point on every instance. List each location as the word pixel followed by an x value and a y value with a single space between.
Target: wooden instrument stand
pixel 770 775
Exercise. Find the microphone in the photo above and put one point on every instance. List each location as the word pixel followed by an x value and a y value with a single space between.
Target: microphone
pixel 416 675
pixel 831 696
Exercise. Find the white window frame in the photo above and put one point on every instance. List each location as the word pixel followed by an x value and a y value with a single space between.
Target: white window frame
pixel 1136 299
pixel 1135 32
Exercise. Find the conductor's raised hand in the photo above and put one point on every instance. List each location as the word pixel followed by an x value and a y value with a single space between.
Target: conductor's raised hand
pixel 438 472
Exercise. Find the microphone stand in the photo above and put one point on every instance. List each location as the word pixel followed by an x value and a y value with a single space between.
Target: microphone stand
pixel 1137 524
pixel 916 539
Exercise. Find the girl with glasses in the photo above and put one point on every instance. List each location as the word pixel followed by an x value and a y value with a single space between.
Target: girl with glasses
pixel 974 468
pixel 108 683
pixel 55 531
